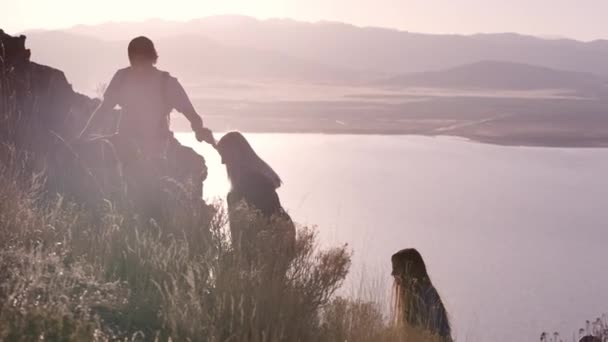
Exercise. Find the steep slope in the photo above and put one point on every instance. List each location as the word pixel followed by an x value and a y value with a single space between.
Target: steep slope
pixel 41 116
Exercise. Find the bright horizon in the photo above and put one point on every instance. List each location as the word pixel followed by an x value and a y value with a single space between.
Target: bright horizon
pixel 545 18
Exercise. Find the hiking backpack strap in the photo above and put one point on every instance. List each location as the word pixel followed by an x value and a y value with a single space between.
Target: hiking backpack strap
pixel 164 98
pixel 166 110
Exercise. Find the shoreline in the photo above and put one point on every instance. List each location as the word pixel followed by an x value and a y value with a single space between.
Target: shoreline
pixel 531 141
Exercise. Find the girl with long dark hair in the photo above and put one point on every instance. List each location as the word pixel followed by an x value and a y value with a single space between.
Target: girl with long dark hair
pixel 417 305
pixel 255 212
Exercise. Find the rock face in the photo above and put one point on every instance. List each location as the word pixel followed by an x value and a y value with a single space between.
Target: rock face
pixel 36 99
pixel 41 115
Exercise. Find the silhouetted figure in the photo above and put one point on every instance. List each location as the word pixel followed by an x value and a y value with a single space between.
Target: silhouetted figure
pixel 253 203
pixel 590 338
pixel 262 233
pixel 144 144
pixel 417 303
pixel 147 96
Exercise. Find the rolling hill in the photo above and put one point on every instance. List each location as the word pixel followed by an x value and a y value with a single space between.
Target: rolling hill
pixel 339 78
pixel 497 75
pixel 89 61
pixel 371 49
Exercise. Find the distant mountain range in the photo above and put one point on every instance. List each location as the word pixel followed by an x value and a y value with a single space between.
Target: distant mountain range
pixel 373 49
pixel 236 47
pixel 289 76
pixel 89 61
pixel 496 75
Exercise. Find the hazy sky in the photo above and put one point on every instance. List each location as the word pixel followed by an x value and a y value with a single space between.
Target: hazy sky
pixel 582 19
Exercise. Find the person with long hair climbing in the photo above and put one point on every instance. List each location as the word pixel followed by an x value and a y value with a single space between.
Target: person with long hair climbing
pixel 254 208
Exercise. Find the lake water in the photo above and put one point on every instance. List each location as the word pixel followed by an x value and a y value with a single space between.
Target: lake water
pixel 515 238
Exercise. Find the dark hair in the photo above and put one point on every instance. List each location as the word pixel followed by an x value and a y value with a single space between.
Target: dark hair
pixel 408 262
pixel 416 301
pixel 241 159
pixel 142 47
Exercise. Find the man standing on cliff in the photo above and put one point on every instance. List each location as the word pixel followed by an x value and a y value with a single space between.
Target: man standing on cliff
pixel 146 96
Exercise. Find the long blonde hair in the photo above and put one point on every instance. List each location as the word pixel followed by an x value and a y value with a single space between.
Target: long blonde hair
pixel 241 159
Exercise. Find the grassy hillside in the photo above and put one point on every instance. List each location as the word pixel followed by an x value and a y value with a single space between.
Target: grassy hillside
pixel 72 274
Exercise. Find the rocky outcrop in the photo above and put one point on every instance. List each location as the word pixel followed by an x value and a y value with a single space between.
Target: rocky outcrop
pixel 37 100
pixel 41 115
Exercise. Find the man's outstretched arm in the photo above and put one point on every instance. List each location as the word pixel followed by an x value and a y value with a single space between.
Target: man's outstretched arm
pixel 103 108
pixel 107 104
pixel 181 102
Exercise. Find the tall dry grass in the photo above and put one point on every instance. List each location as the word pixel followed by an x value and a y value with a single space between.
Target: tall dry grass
pixel 70 273
pixel 593 331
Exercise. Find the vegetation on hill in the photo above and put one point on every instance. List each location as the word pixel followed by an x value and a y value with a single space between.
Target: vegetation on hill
pixel 72 273
pixel 74 270
pixel 69 273
pixel 594 331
